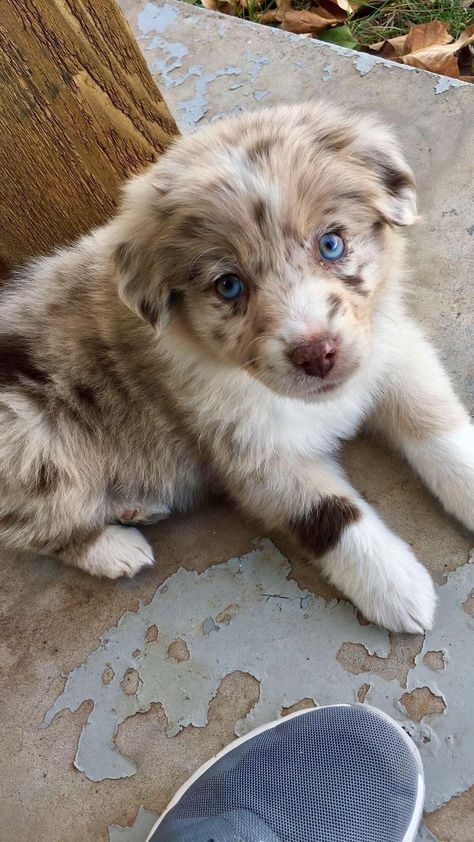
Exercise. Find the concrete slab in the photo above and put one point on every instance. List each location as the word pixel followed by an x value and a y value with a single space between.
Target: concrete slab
pixel 89 659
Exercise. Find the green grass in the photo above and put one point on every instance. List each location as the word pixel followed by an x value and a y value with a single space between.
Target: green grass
pixel 379 19
pixel 395 17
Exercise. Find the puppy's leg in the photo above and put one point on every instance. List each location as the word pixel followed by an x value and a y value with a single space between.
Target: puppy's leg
pixel 422 416
pixel 70 524
pixel 112 551
pixel 368 563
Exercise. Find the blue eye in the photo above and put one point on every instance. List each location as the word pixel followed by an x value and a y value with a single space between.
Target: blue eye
pixel 331 246
pixel 230 287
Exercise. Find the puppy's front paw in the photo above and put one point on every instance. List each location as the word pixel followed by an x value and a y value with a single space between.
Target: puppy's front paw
pixel 399 592
pixel 118 551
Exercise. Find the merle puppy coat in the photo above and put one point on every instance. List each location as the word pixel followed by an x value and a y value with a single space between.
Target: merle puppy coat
pixel 240 316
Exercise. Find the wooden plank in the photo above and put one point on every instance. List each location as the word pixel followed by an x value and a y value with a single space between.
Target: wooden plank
pixel 79 112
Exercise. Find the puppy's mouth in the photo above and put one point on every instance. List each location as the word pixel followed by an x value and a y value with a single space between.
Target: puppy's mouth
pixel 311 388
pixel 303 387
pixel 328 387
pixel 313 391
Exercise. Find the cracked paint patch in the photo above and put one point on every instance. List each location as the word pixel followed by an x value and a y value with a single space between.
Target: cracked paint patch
pixel 241 615
pixel 153 21
pixel 144 821
pixel 328 71
pixel 246 615
pixel 445 83
pixel 168 57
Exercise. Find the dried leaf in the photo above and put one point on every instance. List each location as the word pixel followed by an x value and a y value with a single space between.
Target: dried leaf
pixel 434 59
pixel 304 21
pixel 227 7
pixel 440 58
pixel 391 48
pixel 427 35
pixel 340 35
pixel 339 9
pixel 276 15
pixel 270 17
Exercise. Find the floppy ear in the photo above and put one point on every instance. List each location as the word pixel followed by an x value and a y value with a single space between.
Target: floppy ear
pixel 378 150
pixel 136 255
pixel 140 285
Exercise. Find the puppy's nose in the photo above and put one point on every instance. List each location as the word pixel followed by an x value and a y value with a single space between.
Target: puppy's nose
pixel 317 356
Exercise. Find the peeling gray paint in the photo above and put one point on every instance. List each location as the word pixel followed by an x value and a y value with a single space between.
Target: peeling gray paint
pixel 144 821
pixel 328 71
pixel 156 18
pixel 445 83
pixel 446 741
pixel 257 63
pixel 364 63
pixel 275 619
pixel 288 639
pixel 168 55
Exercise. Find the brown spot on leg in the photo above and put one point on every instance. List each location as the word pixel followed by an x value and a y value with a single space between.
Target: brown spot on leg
pixel 322 527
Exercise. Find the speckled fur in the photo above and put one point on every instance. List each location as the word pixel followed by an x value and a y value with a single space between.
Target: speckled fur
pixel 126 383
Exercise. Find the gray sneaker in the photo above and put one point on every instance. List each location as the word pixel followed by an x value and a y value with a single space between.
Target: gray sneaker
pixel 342 773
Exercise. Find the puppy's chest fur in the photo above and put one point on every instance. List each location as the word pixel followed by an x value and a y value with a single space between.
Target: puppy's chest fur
pixel 218 427
pixel 234 419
